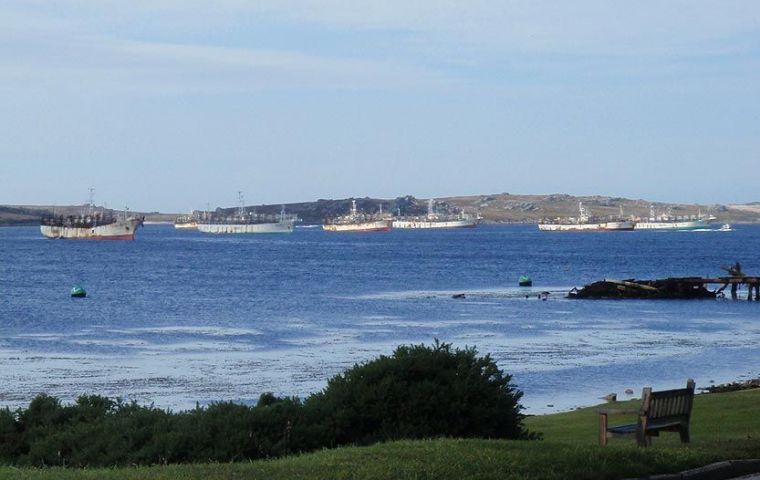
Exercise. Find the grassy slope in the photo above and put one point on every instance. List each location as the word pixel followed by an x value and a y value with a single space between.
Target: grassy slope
pixel 723 426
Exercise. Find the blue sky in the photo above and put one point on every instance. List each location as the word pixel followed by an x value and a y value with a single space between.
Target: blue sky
pixel 171 105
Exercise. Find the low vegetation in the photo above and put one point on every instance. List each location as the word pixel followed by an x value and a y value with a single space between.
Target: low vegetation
pixel 380 398
pixel 418 392
pixel 724 426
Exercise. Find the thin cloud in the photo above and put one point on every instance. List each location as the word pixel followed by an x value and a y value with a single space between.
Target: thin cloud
pixel 583 27
pixel 102 63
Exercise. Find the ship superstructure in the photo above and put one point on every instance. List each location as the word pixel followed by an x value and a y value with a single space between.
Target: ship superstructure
pixel 437 220
pixel 359 222
pixel 584 223
pixel 244 221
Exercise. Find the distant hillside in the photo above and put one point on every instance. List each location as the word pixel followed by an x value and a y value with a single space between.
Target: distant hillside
pixel 31 214
pixel 504 207
pixel 507 208
pixel 316 212
pixel 494 208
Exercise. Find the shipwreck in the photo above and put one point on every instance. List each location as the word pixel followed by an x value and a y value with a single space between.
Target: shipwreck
pixel 674 287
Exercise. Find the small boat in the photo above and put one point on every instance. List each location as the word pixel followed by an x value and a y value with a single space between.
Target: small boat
pixel 185 222
pixel 725 228
pixel 525 281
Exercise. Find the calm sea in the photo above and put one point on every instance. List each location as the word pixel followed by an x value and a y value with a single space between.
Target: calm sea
pixel 177 318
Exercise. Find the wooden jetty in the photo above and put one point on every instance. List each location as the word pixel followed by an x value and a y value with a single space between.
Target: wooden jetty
pixel 673 288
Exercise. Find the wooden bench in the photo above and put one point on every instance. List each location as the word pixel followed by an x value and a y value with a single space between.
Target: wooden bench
pixel 664 411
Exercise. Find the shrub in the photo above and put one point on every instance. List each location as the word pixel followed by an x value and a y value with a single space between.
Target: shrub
pixel 421 391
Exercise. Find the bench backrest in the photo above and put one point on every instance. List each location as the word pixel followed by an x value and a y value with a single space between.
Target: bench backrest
pixel 668 403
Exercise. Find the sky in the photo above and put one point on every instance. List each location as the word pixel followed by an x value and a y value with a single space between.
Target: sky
pixel 173 105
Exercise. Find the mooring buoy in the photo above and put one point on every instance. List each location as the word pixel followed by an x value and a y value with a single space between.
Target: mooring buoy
pixel 78 292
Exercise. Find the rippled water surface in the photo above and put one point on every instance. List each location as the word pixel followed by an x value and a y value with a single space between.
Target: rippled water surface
pixel 177 318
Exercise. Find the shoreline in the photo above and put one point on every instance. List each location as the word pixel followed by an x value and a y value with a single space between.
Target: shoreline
pixel 713 388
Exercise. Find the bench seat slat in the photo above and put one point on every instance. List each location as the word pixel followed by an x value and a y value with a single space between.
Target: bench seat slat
pixel 659 425
pixel 654 426
pixel 623 429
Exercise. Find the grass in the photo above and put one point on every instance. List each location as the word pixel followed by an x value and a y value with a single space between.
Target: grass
pixel 724 426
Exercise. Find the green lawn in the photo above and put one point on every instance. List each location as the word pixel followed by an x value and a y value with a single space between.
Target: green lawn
pixel 724 426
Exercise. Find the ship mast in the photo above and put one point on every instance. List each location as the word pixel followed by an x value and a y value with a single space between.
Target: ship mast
pixel 583 218
pixel 241 202
pixel 430 209
pixel 353 208
pixel 91 201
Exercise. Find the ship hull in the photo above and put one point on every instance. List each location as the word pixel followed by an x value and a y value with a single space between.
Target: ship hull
pixel 618 226
pixel 587 227
pixel 687 225
pixel 186 226
pixel 120 230
pixel 435 224
pixel 246 228
pixel 374 226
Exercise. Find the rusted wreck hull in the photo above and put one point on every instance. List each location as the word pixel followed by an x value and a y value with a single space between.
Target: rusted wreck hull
pixel 669 288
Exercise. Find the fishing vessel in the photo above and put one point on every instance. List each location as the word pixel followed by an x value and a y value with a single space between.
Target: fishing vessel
pixel 584 224
pixel 668 221
pixel 359 222
pixel 187 222
pixel 92 223
pixel 437 220
pixel 246 222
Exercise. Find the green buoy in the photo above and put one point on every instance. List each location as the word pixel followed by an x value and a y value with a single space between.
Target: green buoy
pixel 78 292
pixel 525 281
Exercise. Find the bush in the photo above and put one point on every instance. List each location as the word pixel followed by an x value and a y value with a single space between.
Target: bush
pixel 421 392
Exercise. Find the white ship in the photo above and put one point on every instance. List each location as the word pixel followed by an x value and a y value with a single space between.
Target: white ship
pixel 187 221
pixel 435 220
pixel 96 227
pixel 92 224
pixel 670 222
pixel 246 222
pixel 359 222
pixel 583 224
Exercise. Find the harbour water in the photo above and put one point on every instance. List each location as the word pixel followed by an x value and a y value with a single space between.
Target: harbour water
pixel 176 317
